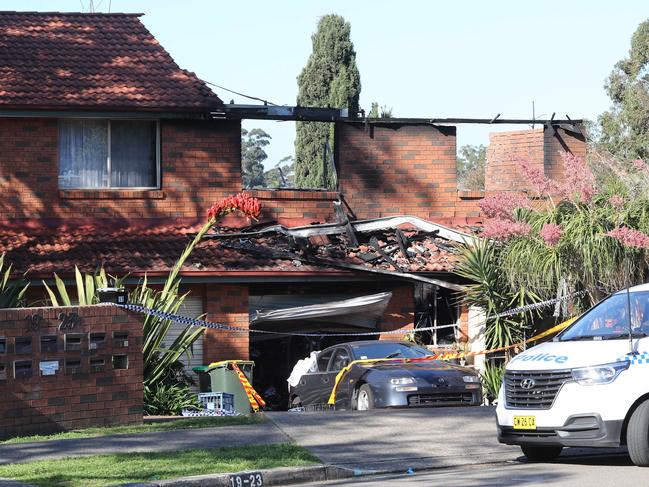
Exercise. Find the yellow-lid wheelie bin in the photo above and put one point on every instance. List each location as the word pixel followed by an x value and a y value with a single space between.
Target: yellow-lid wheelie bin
pixel 220 377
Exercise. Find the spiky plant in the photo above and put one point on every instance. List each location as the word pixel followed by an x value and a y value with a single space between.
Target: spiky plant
pixel 11 293
pixel 489 289
pixel 492 379
pixel 159 362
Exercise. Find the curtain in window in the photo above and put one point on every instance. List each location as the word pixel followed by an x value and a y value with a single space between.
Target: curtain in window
pixel 83 154
pixel 133 154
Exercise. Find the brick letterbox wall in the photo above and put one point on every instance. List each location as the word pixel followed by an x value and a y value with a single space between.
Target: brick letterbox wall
pixel 68 368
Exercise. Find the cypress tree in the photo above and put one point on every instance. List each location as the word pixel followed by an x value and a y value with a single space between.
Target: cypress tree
pixel 329 79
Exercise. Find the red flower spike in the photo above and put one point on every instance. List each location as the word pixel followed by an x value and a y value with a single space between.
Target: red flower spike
pixel 243 202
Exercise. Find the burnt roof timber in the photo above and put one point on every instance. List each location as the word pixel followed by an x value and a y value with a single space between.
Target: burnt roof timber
pixel 319 114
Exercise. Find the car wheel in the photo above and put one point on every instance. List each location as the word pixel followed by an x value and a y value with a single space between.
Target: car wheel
pixel 637 435
pixel 541 453
pixel 296 402
pixel 365 399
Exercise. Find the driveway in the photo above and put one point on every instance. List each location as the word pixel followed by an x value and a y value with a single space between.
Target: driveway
pixel 399 439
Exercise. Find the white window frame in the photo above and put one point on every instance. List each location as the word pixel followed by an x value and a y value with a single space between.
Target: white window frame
pixel 108 159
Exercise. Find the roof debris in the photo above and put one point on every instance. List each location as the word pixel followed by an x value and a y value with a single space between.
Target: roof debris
pixel 382 249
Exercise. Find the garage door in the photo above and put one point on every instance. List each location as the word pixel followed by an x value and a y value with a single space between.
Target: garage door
pixel 192 307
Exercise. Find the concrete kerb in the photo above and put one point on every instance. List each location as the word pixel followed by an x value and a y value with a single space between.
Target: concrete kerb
pixel 291 475
pixel 274 476
pixel 323 473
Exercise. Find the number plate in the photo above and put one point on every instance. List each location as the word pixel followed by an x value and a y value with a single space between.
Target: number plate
pixel 251 479
pixel 524 422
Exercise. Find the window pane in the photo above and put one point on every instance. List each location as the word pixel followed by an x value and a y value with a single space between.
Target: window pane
pixel 83 154
pixel 133 154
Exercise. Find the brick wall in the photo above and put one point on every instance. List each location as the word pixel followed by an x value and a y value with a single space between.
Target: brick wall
pixel 504 153
pixel 393 169
pixel 82 392
pixel 228 304
pixel 298 206
pixel 558 141
pixel 200 163
pixel 541 147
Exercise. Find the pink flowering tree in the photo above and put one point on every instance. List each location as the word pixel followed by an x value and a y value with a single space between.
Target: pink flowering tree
pixel 590 230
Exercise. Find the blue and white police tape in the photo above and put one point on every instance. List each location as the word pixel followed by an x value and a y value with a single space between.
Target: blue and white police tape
pixel 184 320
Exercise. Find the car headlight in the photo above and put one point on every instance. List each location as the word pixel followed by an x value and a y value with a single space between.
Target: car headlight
pixel 400 381
pixel 599 374
pixel 471 379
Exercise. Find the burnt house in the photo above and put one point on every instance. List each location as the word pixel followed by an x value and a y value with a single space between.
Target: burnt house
pixel 110 155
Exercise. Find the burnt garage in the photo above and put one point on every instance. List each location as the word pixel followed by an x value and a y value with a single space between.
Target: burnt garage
pixel 393 279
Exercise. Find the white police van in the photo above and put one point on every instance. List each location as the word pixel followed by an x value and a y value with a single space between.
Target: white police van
pixel 588 387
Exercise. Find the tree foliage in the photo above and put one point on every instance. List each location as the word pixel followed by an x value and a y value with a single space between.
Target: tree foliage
pixel 282 175
pixel 624 129
pixel 588 232
pixel 253 156
pixel 471 167
pixel 329 79
pixel 379 111
pixel 592 234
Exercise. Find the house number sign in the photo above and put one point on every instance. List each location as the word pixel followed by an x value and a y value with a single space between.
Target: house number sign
pixel 67 321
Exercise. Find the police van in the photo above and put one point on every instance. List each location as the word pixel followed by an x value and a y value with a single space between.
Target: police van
pixel 588 387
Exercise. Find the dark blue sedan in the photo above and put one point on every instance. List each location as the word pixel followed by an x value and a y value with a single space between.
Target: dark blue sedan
pixel 385 384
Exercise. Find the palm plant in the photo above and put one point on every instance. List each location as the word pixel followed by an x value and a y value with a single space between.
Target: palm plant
pixel 11 293
pixel 490 290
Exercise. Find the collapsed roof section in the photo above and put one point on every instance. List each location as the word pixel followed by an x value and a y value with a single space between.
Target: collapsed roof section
pixel 399 247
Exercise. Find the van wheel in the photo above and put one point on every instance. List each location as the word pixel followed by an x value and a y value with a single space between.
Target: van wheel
pixel 541 453
pixel 296 402
pixel 637 435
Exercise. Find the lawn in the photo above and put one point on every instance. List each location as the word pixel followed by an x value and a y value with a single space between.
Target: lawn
pixel 188 423
pixel 141 467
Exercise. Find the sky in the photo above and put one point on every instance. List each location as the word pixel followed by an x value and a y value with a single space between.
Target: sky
pixel 424 59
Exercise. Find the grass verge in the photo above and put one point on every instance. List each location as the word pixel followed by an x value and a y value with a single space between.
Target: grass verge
pixel 188 423
pixel 104 470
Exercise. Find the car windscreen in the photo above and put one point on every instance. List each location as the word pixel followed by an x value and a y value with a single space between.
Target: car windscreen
pixel 609 320
pixel 387 350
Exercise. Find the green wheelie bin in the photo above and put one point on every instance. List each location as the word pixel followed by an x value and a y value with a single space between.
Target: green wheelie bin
pixel 220 377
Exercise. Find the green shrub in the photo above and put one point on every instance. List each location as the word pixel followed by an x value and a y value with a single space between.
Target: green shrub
pixel 492 379
pixel 165 400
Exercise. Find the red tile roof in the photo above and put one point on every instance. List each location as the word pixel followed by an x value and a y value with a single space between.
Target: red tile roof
pixel 91 61
pixel 153 247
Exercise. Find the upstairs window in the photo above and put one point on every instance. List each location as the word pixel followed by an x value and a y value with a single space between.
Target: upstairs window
pixel 113 154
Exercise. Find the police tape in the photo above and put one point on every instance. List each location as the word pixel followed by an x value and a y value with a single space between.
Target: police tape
pixel 184 320
pixel 254 398
pixel 220 326
pixel 444 356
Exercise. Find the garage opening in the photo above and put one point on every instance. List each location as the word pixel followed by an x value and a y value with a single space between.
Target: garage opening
pixel 331 314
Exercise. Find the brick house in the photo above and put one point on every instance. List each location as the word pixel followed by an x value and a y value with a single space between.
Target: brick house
pixel 109 155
